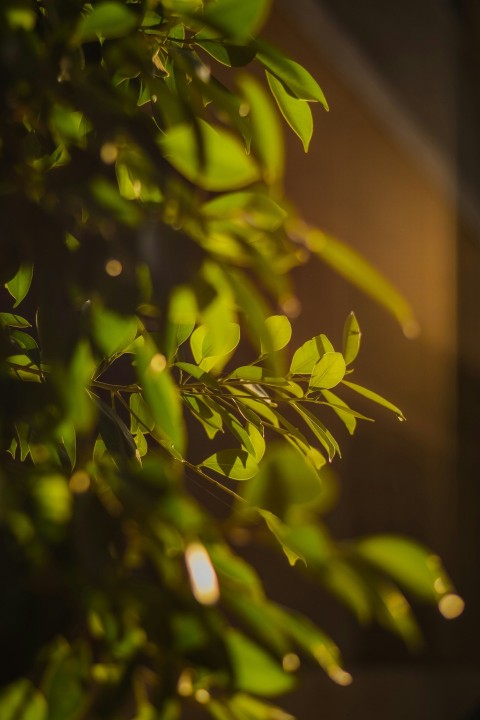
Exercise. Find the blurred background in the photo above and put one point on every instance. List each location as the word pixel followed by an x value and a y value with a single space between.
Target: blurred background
pixel 394 170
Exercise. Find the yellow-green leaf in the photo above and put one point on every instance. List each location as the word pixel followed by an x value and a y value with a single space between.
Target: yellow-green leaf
pixel 296 112
pixel 234 464
pixel 328 371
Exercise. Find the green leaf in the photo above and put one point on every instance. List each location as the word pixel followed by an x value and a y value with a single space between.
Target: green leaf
pixel 374 397
pixel 73 387
pixel 284 479
pixel 254 670
pixel 257 374
pixel 409 563
pixel 234 464
pixel 11 320
pixel 308 354
pixel 209 348
pixel 162 398
pixel 328 371
pixel 255 208
pixel 226 165
pixel 394 612
pixel 319 430
pixel 341 409
pixel 351 339
pixel 113 333
pixel 225 53
pixel 115 434
pixel 53 498
pixel 317 644
pixel 295 78
pixel 19 286
pixel 237 20
pixel 296 112
pixel 361 273
pixel 267 140
pixel 280 331
pixel 245 707
pixel 108 20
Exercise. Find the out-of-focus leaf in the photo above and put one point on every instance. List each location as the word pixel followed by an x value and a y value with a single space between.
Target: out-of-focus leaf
pixel 374 397
pixel 162 398
pixel 349 587
pixel 394 612
pixel 293 76
pixel 235 573
pixel 296 112
pixel 53 498
pixel 21 699
pixel 257 209
pixel 19 286
pixel 74 384
pixel 284 479
pixel 237 20
pixel 246 707
pixel 280 331
pixel 409 563
pixel 351 339
pixel 313 641
pixel 234 464
pixel 107 19
pixel 254 670
pixel 328 371
pixel 115 434
pixel 113 333
pixel 226 166
pixel 358 271
pixel 267 141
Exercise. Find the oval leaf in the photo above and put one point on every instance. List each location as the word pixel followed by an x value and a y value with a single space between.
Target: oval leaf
pixel 19 285
pixel 328 371
pixel 351 339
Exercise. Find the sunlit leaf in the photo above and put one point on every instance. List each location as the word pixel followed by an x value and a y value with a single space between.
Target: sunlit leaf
pixel 306 356
pixel 225 53
pixel 319 430
pixel 294 77
pixel 351 339
pixel 19 286
pixel 233 464
pixel 296 112
pixel 328 371
pixel 374 397
pixel 280 331
pixel 256 208
pixel 341 409
pixel 209 348
pixel 226 166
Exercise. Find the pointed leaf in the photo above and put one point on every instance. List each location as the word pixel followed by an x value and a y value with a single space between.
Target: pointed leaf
pixel 234 464
pixel 236 19
pixel 108 19
pixel 294 77
pixel 296 112
pixel 254 670
pixel 351 339
pixel 374 397
pixel 19 286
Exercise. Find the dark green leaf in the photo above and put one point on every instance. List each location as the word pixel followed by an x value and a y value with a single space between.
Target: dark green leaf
pixel 11 320
pixel 19 286
pixel 108 20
